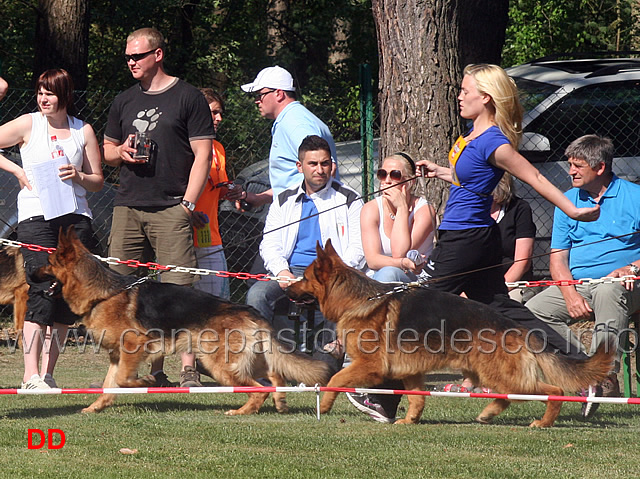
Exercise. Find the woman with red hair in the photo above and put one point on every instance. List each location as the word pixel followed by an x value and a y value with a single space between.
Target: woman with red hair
pixel 50 133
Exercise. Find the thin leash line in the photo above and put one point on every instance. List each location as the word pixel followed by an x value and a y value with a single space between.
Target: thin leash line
pixel 509 263
pixel 256 236
pixel 158 272
pixel 419 282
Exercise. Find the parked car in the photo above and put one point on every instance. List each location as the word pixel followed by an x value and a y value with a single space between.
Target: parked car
pixel 242 231
pixel 565 99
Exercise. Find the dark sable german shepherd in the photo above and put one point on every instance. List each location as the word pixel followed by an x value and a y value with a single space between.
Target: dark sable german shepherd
pixel 234 342
pixel 13 284
pixel 405 335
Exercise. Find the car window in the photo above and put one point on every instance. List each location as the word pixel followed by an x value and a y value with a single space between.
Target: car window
pixel 532 93
pixel 611 110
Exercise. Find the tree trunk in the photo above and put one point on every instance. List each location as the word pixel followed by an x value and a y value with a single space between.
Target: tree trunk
pixel 62 39
pixel 275 14
pixel 423 48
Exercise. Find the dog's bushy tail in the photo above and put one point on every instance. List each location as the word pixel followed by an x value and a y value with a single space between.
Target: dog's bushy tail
pixel 573 374
pixel 293 365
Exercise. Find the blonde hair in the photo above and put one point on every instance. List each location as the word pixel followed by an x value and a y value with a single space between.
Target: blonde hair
pixel 493 81
pixel 153 36
pixel 505 190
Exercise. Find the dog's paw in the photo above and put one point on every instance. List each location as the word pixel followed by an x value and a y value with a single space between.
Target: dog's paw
pixel 232 412
pixel 282 407
pixel 404 420
pixel 90 410
pixel 484 419
pixel 148 380
pixel 539 424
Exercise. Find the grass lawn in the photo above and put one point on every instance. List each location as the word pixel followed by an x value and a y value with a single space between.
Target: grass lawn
pixel 189 436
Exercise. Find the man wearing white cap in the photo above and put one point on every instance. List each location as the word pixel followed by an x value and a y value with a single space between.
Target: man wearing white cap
pixel 276 100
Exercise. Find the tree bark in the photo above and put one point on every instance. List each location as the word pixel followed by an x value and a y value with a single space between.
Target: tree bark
pixel 423 48
pixel 62 39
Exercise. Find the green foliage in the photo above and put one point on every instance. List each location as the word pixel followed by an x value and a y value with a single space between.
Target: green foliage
pixel 542 27
pixel 17 24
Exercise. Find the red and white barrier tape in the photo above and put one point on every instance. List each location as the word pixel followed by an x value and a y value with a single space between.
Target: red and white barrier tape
pixel 316 389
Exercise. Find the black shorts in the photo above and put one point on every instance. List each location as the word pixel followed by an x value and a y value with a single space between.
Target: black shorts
pixel 468 261
pixel 42 308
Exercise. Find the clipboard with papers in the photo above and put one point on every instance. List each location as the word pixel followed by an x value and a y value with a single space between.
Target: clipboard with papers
pixel 57 197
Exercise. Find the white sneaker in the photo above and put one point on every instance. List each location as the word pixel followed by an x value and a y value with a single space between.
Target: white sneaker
pixel 48 378
pixel 36 382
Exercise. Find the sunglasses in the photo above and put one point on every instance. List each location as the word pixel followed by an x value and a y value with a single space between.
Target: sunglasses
pixel 260 96
pixel 136 57
pixel 395 175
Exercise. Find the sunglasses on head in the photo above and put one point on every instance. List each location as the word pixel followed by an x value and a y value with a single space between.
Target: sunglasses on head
pixel 395 175
pixel 136 57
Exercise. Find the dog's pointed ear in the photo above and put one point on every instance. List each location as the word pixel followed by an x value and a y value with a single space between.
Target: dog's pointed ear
pixel 63 239
pixel 319 251
pixel 329 249
pixel 66 243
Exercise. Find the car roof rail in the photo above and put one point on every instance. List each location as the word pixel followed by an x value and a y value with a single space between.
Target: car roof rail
pixel 613 69
pixel 585 55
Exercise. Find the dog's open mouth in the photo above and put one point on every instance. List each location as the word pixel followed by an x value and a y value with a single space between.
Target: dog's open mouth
pixel 306 299
pixel 300 298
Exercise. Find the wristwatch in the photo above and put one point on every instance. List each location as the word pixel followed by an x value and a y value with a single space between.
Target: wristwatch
pixel 634 269
pixel 188 205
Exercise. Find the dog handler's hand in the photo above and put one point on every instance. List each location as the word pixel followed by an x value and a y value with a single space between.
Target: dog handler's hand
pixel 429 168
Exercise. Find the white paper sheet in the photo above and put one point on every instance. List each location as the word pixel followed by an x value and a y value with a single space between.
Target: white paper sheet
pixel 57 197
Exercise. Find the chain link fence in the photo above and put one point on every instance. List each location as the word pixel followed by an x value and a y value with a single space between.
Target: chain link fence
pixel 614 112
pixel 247 140
pixel 555 120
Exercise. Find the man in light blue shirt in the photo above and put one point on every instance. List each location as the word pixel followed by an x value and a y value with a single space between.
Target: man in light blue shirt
pixel 605 247
pixel 276 100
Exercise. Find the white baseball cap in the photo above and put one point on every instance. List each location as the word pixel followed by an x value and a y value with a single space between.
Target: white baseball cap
pixel 272 77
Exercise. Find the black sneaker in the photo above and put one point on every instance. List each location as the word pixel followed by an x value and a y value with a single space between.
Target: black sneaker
pixel 377 412
pixel 162 381
pixel 190 378
pixel 589 408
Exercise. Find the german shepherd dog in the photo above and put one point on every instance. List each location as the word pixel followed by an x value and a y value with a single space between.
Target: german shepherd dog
pixel 134 322
pixel 13 284
pixel 405 335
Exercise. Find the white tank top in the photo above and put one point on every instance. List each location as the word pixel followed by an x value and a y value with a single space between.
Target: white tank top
pixel 39 149
pixel 425 248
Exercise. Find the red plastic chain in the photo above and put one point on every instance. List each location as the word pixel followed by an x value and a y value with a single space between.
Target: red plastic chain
pixel 35 247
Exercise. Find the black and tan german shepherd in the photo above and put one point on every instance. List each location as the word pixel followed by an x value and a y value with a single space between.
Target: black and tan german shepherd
pixel 405 335
pixel 234 343
pixel 13 284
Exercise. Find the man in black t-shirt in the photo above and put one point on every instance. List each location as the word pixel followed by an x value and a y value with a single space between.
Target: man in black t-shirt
pixel 156 197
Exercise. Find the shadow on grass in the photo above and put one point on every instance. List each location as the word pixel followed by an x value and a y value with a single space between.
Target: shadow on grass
pixel 160 407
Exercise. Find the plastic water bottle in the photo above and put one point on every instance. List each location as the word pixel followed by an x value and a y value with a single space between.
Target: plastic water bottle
pixel 57 150
pixel 415 256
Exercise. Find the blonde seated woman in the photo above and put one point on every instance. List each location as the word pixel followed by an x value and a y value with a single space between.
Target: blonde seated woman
pixel 395 223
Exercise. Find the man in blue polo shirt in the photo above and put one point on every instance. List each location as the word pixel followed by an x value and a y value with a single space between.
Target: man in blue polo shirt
pixel 328 209
pixel 598 249
pixel 276 100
